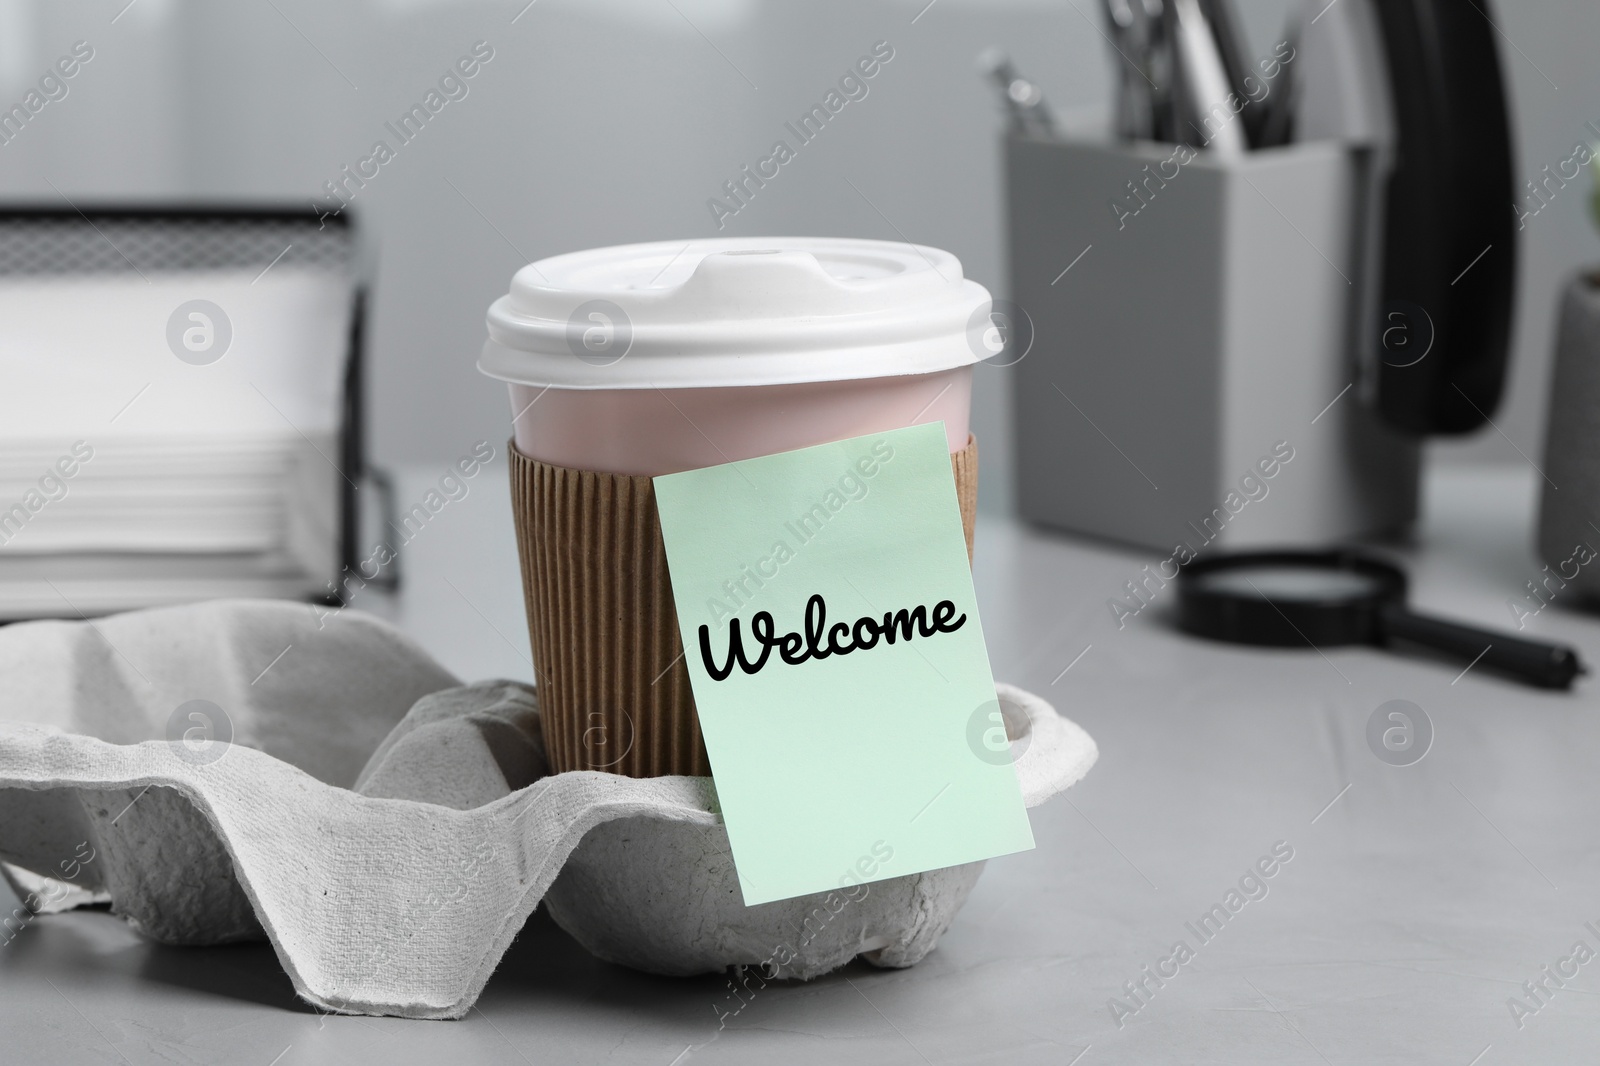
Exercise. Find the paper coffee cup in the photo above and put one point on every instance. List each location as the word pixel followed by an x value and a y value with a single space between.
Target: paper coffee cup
pixel 629 362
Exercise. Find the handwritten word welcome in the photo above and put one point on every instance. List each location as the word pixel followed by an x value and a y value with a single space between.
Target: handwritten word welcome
pixel 794 648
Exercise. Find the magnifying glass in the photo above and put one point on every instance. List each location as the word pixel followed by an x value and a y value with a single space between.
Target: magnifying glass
pixel 1297 598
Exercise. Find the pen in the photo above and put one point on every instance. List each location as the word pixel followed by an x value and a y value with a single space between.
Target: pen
pixel 1201 83
pixel 1024 101
pixel 1235 63
pixel 1158 62
pixel 1134 119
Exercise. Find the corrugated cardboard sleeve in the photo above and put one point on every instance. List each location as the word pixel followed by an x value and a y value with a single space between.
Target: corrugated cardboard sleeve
pixel 613 687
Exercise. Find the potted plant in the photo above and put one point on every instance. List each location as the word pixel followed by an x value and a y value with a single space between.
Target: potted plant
pixel 1569 512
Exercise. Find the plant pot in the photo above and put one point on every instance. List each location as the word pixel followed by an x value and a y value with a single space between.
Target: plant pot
pixel 1569 510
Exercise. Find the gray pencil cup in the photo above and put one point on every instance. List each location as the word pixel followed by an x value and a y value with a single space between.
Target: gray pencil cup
pixel 1196 322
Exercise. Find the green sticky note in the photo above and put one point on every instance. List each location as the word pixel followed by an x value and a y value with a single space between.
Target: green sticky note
pixel 838 666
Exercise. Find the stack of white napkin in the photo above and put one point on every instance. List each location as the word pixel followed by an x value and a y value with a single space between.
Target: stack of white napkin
pixel 130 476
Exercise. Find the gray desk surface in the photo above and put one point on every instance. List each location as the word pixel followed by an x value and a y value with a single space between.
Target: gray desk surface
pixel 1418 900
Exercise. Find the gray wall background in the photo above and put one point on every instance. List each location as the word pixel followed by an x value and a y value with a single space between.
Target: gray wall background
pixel 612 121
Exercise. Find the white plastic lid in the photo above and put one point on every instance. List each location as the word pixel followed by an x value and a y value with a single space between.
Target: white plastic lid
pixel 735 311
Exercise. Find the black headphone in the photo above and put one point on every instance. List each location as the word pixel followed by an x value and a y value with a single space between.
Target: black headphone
pixel 1449 262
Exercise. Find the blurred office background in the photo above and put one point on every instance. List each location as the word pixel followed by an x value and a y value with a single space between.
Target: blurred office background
pixel 611 121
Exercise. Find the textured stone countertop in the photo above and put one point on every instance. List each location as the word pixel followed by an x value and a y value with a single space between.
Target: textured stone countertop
pixel 1417 901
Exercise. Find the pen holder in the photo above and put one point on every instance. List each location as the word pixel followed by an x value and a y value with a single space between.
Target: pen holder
pixel 1192 379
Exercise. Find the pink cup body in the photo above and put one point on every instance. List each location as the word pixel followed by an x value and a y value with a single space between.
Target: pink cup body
pixel 662 431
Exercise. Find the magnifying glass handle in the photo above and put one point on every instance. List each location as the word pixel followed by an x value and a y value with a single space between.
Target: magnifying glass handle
pixel 1532 661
